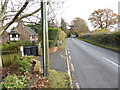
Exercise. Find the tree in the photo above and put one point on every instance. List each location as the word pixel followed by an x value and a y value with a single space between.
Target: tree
pixel 79 25
pixel 11 11
pixel 63 25
pixel 37 28
pixel 103 18
pixel 54 12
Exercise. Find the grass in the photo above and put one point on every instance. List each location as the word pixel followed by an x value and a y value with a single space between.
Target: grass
pixel 63 46
pixel 117 49
pixel 59 79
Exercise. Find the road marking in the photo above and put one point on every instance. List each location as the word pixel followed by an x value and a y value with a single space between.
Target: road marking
pixel 70 57
pixel 61 56
pixel 77 86
pixel 68 52
pixel 69 73
pixel 72 67
pixel 111 62
pixel 83 46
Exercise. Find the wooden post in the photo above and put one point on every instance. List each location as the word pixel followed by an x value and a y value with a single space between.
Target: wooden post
pixel 47 41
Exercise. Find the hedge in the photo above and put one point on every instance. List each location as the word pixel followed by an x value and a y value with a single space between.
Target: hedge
pixel 14 46
pixel 54 33
pixel 110 39
pixel 52 43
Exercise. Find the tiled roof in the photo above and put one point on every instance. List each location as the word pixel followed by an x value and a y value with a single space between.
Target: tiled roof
pixel 14 32
pixel 29 30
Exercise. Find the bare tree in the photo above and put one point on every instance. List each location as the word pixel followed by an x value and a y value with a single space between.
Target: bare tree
pixel 11 11
pixel 53 12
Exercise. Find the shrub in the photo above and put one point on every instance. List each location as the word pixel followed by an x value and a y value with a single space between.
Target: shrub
pixel 54 34
pixel 16 59
pixel 13 81
pixel 25 65
pixel 52 43
pixel 62 35
pixel 15 45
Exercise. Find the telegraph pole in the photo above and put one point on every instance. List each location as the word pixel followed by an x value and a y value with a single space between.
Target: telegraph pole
pixel 45 42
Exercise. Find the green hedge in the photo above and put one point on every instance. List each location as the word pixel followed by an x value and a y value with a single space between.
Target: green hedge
pixel 54 33
pixel 14 46
pixel 111 39
pixel 52 43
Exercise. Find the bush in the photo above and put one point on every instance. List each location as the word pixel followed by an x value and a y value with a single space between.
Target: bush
pixel 15 45
pixel 62 35
pixel 13 81
pixel 52 43
pixel 54 34
pixel 25 65
pixel 19 81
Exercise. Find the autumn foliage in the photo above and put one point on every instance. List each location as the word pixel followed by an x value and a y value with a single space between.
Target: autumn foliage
pixel 103 18
pixel 78 25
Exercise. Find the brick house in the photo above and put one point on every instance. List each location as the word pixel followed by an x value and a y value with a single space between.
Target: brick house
pixel 25 33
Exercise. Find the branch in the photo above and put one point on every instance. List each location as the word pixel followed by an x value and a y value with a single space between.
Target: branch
pixel 24 16
pixel 4 6
pixel 16 16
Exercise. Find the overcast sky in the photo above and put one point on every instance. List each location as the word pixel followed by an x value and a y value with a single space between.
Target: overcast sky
pixel 83 8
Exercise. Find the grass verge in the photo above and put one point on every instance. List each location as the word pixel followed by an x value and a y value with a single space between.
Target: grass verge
pixel 59 79
pixel 62 47
pixel 117 49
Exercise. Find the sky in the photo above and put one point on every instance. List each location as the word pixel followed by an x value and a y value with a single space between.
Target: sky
pixel 84 8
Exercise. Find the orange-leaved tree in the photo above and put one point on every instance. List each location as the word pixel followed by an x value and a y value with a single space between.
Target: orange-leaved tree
pixel 103 18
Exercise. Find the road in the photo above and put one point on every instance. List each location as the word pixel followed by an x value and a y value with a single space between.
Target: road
pixel 92 66
pixel 56 62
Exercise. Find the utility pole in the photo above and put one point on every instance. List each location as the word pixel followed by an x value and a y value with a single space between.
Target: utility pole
pixel 1 28
pixel 45 42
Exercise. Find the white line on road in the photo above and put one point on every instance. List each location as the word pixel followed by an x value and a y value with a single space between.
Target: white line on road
pixel 68 52
pixel 83 46
pixel 68 49
pixel 70 58
pixel 69 73
pixel 72 67
pixel 111 62
pixel 77 86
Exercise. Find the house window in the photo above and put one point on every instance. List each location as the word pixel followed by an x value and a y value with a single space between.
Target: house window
pixel 13 35
pixel 33 36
